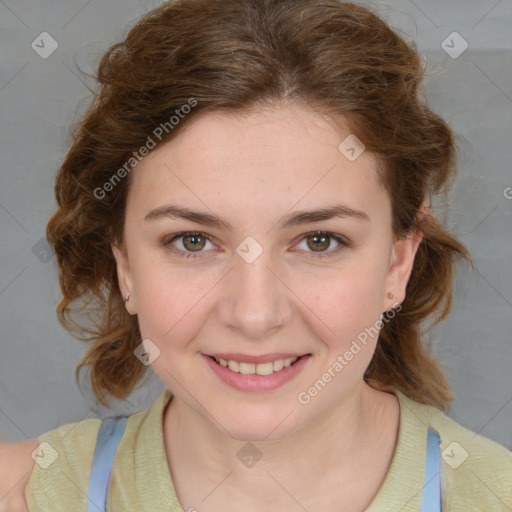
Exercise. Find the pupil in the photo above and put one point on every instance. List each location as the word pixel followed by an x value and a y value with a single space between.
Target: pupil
pixel 319 240
pixel 193 240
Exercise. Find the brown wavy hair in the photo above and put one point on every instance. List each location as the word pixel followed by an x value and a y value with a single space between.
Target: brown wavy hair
pixel 335 57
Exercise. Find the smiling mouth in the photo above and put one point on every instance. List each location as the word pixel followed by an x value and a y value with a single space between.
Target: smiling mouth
pixel 263 369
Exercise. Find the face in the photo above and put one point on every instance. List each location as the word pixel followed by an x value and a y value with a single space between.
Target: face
pixel 257 282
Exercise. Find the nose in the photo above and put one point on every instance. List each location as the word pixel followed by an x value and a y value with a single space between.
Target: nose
pixel 256 298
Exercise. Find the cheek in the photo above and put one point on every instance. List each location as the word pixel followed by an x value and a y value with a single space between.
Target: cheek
pixel 346 304
pixel 168 305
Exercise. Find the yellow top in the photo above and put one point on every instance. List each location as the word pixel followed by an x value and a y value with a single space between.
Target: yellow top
pixel 476 473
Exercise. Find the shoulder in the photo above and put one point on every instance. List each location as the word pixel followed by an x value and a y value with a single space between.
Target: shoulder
pixel 60 475
pixel 476 471
pixel 462 444
pixel 60 478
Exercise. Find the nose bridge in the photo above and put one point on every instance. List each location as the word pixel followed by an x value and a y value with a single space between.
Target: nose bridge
pixel 258 301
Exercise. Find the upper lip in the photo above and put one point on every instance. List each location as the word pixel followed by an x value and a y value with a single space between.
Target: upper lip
pixel 245 358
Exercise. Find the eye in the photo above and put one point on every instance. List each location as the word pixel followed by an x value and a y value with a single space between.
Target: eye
pixel 194 241
pixel 190 240
pixel 322 240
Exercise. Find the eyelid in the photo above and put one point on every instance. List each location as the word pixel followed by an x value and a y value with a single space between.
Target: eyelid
pixel 344 243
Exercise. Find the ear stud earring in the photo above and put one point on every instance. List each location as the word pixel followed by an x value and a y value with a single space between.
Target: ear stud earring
pixel 390 295
pixel 126 298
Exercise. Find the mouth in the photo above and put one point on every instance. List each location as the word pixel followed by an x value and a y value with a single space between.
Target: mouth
pixel 259 369
pixel 257 377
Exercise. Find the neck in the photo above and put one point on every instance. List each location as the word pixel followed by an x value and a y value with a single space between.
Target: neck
pixel 342 441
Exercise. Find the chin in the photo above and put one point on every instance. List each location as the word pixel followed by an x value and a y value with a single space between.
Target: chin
pixel 268 429
pixel 250 435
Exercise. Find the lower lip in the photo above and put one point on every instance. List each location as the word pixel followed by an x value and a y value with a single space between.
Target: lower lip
pixel 257 382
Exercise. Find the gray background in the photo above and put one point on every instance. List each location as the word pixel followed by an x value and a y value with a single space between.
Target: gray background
pixel 39 98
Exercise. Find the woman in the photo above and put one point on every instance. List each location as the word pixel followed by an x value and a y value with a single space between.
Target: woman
pixel 248 204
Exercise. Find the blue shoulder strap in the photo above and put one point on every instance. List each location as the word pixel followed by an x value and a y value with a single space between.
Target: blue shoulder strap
pixel 431 501
pixel 110 433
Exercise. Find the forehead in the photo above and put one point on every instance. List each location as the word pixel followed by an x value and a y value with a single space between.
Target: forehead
pixel 274 157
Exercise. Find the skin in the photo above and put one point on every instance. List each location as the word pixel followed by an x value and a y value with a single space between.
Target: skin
pixel 16 465
pixel 251 170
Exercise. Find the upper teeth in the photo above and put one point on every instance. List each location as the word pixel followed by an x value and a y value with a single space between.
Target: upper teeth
pixel 259 369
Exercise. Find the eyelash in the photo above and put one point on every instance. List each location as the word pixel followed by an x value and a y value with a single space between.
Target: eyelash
pixel 344 244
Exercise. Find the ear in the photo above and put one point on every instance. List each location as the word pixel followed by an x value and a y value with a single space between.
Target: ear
pixel 124 275
pixel 402 261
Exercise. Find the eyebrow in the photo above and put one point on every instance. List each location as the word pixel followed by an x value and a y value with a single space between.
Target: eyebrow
pixel 293 219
